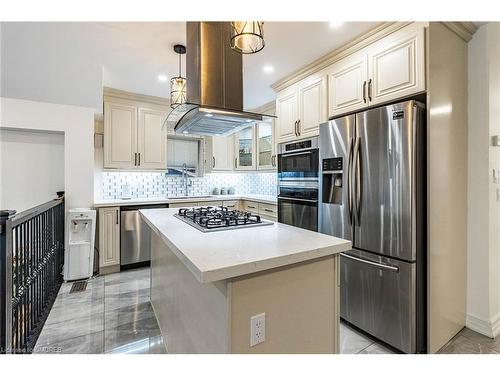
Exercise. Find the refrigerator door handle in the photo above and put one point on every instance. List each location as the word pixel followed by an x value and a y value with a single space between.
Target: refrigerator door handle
pixel 369 262
pixel 357 176
pixel 349 180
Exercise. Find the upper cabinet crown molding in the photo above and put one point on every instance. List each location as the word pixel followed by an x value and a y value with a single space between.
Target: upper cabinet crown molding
pixel 111 94
pixel 464 30
pixel 355 45
pixel 268 108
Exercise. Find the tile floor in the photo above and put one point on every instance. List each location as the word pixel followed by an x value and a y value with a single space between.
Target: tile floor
pixel 114 315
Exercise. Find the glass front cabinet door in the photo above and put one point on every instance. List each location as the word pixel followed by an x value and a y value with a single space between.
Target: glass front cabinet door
pixel 245 149
pixel 266 148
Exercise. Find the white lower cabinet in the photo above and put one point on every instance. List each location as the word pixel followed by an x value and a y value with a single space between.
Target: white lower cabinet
pixel 109 236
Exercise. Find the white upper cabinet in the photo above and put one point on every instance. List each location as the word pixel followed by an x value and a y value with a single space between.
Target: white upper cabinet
pixel 266 145
pixel 389 69
pixel 120 135
pixel 220 153
pixel 301 108
pixel 287 111
pixel 397 65
pixel 133 137
pixel 312 105
pixel 152 141
pixel 245 149
pixel 347 80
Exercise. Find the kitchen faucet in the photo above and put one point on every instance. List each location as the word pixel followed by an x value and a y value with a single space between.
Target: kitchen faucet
pixel 185 179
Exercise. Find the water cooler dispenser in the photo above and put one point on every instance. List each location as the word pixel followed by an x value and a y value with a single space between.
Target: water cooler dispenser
pixel 79 255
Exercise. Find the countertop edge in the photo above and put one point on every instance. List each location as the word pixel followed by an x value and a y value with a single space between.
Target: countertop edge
pixel 147 201
pixel 239 270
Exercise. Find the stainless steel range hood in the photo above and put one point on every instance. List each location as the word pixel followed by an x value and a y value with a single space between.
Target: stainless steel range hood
pixel 214 84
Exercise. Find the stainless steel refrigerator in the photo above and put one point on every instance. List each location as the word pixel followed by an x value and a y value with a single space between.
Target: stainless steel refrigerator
pixel 372 181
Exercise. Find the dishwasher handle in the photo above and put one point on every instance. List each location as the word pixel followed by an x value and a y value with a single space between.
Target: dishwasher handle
pixel 143 207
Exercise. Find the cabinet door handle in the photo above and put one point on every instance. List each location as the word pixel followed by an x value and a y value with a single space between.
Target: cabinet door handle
pixel 213 161
pixel 370 90
pixel 139 161
pixel 117 217
pixel 235 162
pixel 295 128
pixel 298 127
pixel 135 158
pixel 268 210
pixel 364 91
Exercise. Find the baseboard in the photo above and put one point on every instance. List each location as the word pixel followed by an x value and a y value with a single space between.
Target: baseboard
pixel 495 326
pixel 484 327
pixel 109 269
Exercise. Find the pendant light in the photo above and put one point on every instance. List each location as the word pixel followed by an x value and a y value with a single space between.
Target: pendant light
pixel 178 84
pixel 247 36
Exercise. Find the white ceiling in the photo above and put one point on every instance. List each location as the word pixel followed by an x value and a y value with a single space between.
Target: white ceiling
pixel 290 46
pixel 67 62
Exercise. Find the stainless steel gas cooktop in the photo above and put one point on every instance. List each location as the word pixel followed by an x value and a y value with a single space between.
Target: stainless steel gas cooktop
pixel 211 219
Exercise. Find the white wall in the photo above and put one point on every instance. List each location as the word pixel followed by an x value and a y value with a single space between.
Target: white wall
pixel 52 62
pixel 32 168
pixel 77 125
pixel 483 266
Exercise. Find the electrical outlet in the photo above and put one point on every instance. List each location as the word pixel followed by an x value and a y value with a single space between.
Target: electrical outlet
pixel 257 329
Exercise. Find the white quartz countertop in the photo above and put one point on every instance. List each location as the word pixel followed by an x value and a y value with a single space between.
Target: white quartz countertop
pixel 159 200
pixel 231 253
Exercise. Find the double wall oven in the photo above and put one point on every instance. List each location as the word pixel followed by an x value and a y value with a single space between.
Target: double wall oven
pixel 298 167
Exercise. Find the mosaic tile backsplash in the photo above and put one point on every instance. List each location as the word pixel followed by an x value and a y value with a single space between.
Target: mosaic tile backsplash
pixel 156 184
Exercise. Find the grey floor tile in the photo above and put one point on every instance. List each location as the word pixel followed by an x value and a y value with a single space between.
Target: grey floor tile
pixel 377 348
pixel 151 345
pixel 128 314
pixel 461 344
pixel 87 344
pixel 130 332
pixel 352 341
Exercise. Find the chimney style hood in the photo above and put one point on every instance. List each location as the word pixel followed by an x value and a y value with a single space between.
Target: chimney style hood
pixel 214 92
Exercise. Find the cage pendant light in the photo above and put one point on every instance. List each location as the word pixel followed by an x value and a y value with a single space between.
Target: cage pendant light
pixel 247 36
pixel 178 84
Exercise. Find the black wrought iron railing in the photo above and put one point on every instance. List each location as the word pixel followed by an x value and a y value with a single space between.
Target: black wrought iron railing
pixel 31 265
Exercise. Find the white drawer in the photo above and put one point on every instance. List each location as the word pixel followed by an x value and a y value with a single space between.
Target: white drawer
pixel 250 206
pixel 269 210
pixel 232 205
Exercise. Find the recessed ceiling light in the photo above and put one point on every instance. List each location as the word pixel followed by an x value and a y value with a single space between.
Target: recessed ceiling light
pixel 208 115
pixel 336 24
pixel 268 68
pixel 248 120
pixel 162 78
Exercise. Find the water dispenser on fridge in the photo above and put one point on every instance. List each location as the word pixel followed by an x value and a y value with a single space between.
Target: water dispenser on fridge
pixel 79 254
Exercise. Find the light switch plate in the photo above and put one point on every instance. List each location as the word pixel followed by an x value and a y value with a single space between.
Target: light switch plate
pixel 495 140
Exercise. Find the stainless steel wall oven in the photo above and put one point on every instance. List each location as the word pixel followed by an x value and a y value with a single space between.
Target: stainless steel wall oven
pixel 298 168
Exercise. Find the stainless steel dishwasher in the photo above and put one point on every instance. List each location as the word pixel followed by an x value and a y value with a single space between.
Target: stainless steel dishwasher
pixel 135 239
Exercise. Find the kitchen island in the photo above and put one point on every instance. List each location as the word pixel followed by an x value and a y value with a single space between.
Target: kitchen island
pixel 206 287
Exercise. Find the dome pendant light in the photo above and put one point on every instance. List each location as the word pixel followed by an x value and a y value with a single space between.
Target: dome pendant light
pixel 247 36
pixel 178 84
